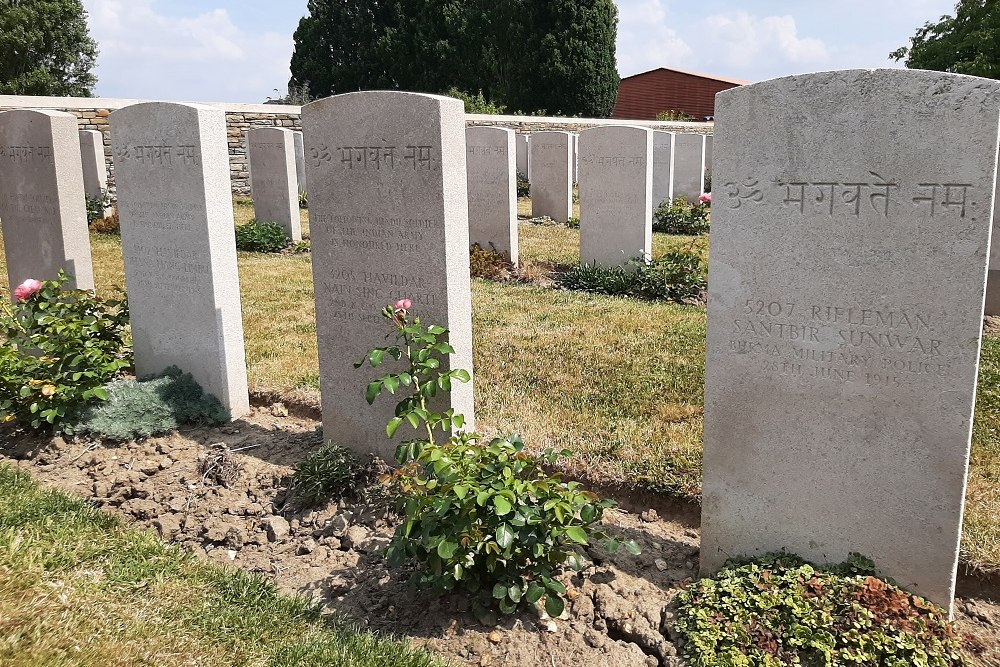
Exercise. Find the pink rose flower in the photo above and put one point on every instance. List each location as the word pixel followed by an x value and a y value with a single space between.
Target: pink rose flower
pixel 403 304
pixel 706 198
pixel 26 289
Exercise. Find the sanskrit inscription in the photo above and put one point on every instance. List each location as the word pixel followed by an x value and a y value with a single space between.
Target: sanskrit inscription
pixel 388 158
pixel 41 154
pixel 160 155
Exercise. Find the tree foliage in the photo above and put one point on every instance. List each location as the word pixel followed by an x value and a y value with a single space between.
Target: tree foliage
pixel 45 48
pixel 966 43
pixel 557 55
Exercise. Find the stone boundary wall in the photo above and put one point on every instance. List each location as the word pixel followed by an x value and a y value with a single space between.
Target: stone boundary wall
pixel 93 114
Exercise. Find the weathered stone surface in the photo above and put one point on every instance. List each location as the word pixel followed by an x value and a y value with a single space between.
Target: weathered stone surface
pixel 95 168
pixel 43 208
pixel 709 145
pixel 616 189
pixel 492 183
pixel 300 162
pixel 273 184
pixel 663 161
pixel 576 157
pixel 176 214
pixel 849 245
pixel 689 166
pixel 522 153
pixel 552 175
pixel 389 218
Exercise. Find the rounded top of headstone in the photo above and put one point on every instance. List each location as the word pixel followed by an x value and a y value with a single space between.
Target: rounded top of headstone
pixel 265 130
pixel 616 129
pixel 165 107
pixel 488 130
pixel 36 113
pixel 389 97
pixel 865 80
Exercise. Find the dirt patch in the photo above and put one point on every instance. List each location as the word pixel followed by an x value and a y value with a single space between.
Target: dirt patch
pixel 219 492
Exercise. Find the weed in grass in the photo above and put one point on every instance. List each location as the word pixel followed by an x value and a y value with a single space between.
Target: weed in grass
pixel 257 236
pixel 681 217
pixel 89 592
pixel 676 276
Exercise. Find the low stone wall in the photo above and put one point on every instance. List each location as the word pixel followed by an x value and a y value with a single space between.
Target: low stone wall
pixel 93 114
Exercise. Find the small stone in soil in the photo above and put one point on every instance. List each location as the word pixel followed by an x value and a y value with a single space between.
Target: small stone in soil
pixel 661 564
pixel 277 528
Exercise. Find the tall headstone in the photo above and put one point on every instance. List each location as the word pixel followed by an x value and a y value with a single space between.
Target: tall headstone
pixel 521 141
pixel 389 219
pixel 689 166
pixel 850 234
pixel 176 210
pixel 616 189
pixel 492 182
pixel 95 167
pixel 43 209
pixel 300 163
pixel 552 175
pixel 663 162
pixel 273 185
pixel 709 144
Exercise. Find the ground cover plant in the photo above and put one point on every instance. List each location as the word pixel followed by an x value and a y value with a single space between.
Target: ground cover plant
pixel 617 381
pixel 329 473
pixel 682 217
pixel 136 409
pixel 780 610
pixel 61 347
pixel 257 236
pixel 486 519
pixel 91 592
pixel 489 264
pixel 678 275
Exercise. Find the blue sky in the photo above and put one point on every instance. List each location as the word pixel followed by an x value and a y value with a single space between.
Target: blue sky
pixel 238 50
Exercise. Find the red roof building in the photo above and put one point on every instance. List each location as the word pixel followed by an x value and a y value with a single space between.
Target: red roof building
pixel 643 96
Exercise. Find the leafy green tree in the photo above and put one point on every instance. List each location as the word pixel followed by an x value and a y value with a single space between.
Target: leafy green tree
pixel 46 49
pixel 967 43
pixel 520 54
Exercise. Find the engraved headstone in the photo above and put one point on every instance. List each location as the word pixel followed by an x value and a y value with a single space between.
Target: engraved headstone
pixel 492 189
pixel 849 249
pixel 689 166
pixel 43 209
pixel 272 178
pixel 552 175
pixel 663 161
pixel 616 188
pixel 522 153
pixel 389 219
pixel 176 210
pixel 300 163
pixel 95 167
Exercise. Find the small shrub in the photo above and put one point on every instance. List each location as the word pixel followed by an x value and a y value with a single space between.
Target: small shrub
pixel 490 264
pixel 523 185
pixel 62 346
pixel 476 103
pixel 708 181
pixel 679 275
pixel 137 409
pixel 681 217
pixel 331 472
pixel 573 222
pixel 674 115
pixel 261 237
pixel 488 520
pixel 301 247
pixel 780 610
pixel 304 200
pixel 108 225
pixel 95 207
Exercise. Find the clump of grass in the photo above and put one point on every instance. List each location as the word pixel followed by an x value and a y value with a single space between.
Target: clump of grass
pixel 330 473
pixel 151 406
pixel 83 589
pixel 781 610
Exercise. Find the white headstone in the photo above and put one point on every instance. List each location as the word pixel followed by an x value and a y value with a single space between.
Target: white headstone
pixel 616 188
pixel 176 210
pixel 850 234
pixel 389 219
pixel 576 158
pixel 689 166
pixel 95 167
pixel 300 163
pixel 43 208
pixel 663 161
pixel 273 185
pixel 709 143
pixel 552 175
pixel 522 153
pixel 492 189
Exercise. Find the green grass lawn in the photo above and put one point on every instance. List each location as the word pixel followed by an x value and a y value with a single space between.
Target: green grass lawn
pixel 617 381
pixel 78 588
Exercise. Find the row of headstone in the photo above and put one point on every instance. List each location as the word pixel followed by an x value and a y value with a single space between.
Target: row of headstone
pixel 847 284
